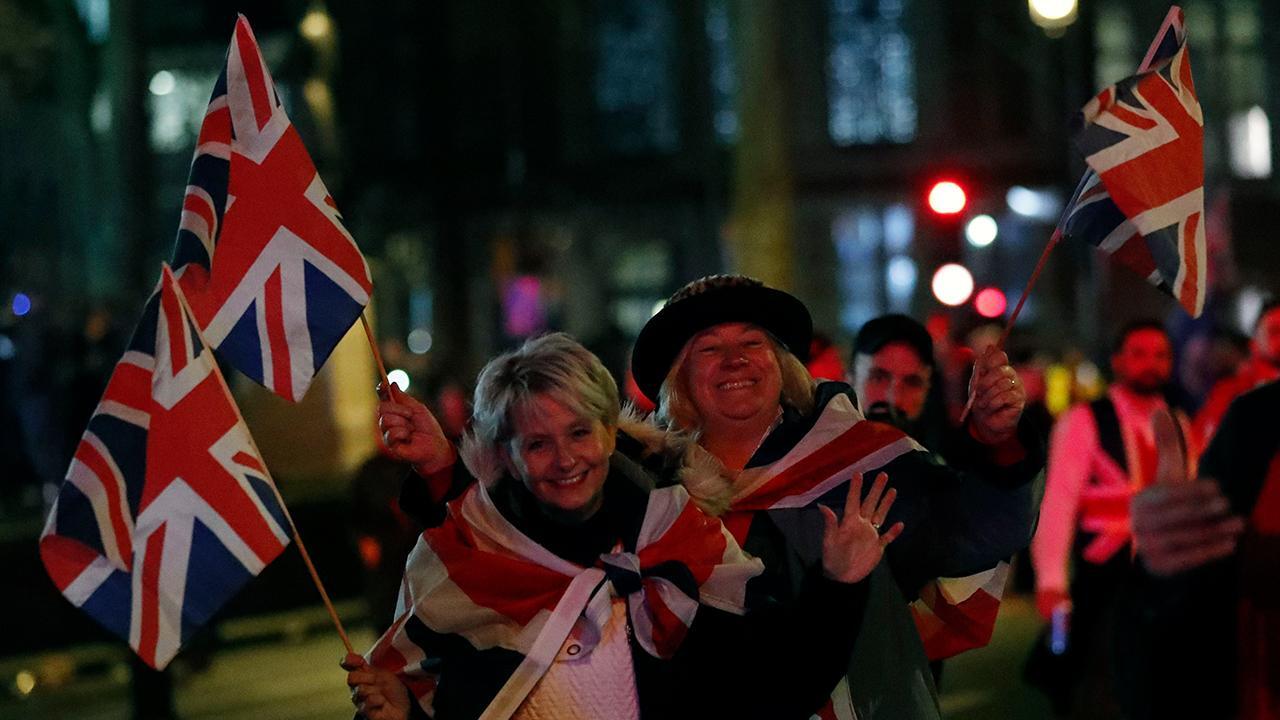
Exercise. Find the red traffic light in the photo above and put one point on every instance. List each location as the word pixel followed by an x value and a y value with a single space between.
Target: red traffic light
pixel 946 197
pixel 990 303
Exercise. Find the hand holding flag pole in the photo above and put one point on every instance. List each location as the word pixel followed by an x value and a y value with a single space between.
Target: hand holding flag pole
pixel 1142 198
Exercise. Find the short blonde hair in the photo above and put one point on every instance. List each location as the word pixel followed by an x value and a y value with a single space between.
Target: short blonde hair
pixel 675 401
pixel 555 365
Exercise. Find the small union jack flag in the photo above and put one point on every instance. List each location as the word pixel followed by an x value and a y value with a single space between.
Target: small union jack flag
pixel 167 508
pixel 273 277
pixel 1142 199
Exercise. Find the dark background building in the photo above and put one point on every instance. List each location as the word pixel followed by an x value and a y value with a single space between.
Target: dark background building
pixel 512 166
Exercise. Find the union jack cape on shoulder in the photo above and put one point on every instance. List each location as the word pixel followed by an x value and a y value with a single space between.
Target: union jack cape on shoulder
pixel 952 614
pixel 167 508
pixel 273 277
pixel 1142 199
pixel 479 579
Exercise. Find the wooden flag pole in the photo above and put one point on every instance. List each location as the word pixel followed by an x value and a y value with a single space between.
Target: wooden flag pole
pixel 377 355
pixel 315 576
pixel 1026 292
pixel 293 528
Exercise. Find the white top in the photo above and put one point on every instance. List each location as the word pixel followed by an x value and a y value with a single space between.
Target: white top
pixel 592 677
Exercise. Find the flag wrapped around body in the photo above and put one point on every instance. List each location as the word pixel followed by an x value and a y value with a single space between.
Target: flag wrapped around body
pixel 476 586
pixel 273 277
pixel 952 615
pixel 167 508
pixel 1142 199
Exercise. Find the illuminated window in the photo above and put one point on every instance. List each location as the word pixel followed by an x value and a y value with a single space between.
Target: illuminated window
pixel 870 78
pixel 724 72
pixel 876 273
pixel 635 84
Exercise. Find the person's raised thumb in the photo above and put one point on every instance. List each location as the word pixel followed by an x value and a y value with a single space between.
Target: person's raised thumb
pixel 1171 448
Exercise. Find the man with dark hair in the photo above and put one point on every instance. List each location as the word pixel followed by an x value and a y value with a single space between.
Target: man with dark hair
pixel 893 369
pixel 1262 366
pixel 894 382
pixel 1100 454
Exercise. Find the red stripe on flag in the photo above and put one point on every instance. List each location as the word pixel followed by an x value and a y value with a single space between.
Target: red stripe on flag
pixel 175 322
pixel 65 559
pixel 860 440
pixel 244 459
pixel 1129 116
pixel 1191 267
pixel 273 308
pixel 1113 507
pixel 1133 253
pixel 196 204
pixel 668 629
pixel 130 386
pixel 694 539
pixel 738 523
pixel 508 585
pixel 254 75
pixel 100 467
pixel 965 626
pixel 150 600
pixel 216 127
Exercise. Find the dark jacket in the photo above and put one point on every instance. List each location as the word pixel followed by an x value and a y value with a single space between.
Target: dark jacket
pixel 957 522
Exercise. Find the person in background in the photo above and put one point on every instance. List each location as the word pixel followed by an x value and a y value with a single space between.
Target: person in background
pixel 895 380
pixel 824 358
pixel 1100 454
pixel 1205 611
pixel 1262 366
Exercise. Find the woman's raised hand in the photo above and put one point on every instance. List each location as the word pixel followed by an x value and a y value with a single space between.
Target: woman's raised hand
pixel 852 547
pixel 411 433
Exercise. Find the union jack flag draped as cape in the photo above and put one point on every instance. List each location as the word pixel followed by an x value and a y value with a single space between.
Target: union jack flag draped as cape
pixel 478 580
pixel 273 277
pixel 1142 199
pixel 952 615
pixel 167 508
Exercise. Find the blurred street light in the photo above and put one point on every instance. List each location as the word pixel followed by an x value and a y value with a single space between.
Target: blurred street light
pixel 1052 15
pixel 315 25
pixel 981 231
pixel 990 303
pixel 947 198
pixel 400 379
pixel 952 284
pixel 162 83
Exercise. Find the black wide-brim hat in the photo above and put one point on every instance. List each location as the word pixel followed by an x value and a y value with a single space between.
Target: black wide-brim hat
pixel 710 301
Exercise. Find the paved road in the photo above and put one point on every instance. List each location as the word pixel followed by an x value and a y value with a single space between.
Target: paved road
pixel 290 672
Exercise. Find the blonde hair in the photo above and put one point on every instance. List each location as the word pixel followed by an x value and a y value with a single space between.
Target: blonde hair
pixel 555 365
pixel 675 401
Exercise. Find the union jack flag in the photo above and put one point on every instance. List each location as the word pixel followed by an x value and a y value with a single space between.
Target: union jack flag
pixel 273 277
pixel 167 508
pixel 1142 199
pixel 478 584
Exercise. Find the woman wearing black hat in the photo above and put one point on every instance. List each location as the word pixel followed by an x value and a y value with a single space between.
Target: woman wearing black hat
pixel 723 360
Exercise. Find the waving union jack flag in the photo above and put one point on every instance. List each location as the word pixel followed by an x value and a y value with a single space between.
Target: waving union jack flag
pixel 1142 199
pixel 167 509
pixel 273 277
